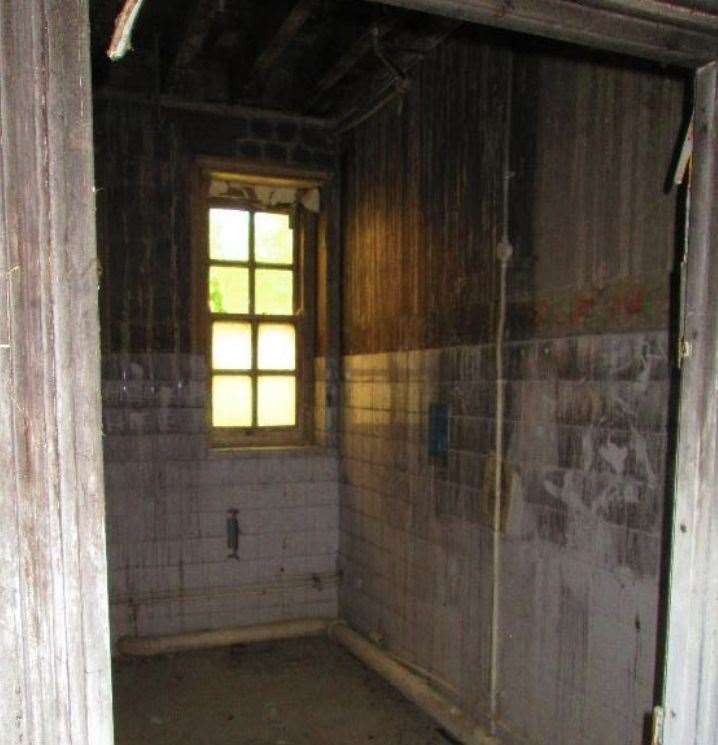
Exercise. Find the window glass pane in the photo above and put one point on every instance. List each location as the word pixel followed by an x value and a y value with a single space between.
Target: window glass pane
pixel 228 289
pixel 273 292
pixel 231 401
pixel 276 401
pixel 231 346
pixel 272 238
pixel 228 234
pixel 276 346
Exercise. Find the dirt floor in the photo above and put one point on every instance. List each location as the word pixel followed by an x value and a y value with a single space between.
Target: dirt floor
pixel 300 692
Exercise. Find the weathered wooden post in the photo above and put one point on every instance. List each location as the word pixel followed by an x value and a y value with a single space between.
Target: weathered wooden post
pixel 54 639
pixel 691 708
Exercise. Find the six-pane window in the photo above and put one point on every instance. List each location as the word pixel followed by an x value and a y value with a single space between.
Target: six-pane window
pixel 252 289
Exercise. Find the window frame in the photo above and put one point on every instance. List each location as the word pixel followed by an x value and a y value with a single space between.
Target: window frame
pixel 304 257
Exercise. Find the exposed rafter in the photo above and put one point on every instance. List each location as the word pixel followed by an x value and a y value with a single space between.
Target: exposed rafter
pixel 198 26
pixel 345 63
pixel 291 26
pixel 654 34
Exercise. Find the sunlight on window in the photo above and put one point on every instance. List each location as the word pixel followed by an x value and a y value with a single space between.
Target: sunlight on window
pixel 273 238
pixel 228 234
pixel 228 289
pixel 274 292
pixel 276 348
pixel 254 328
pixel 276 403
pixel 231 346
pixel 231 401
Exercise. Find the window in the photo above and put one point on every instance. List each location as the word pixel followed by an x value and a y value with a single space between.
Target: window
pixel 253 292
pixel 255 231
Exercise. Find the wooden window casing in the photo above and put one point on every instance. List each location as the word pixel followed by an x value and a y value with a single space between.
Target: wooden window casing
pixel 304 239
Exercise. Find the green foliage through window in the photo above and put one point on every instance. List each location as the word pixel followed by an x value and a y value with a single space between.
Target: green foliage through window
pixel 251 289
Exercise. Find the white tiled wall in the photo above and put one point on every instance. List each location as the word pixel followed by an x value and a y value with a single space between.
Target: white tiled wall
pixel 585 443
pixel 167 497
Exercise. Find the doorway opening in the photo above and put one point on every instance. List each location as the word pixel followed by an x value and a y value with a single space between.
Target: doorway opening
pixel 494 234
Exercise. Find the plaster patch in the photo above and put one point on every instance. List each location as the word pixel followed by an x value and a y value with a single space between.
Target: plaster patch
pixel 615 456
pixel 640 450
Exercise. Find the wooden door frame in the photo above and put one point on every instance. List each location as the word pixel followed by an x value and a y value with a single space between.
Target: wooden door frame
pixel 54 630
pixel 54 633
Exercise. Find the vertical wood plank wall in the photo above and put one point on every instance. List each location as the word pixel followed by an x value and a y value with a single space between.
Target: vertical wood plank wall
pixel 54 639
pixel 593 237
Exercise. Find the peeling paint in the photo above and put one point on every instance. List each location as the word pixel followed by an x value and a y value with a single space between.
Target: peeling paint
pixel 615 456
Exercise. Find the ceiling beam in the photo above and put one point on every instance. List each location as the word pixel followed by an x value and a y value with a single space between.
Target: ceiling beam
pixel 199 24
pixel 680 15
pixel 654 34
pixel 346 62
pixel 289 29
pixel 228 111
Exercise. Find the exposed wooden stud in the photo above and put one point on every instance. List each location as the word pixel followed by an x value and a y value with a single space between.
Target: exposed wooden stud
pixel 601 26
pixel 347 61
pixel 291 26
